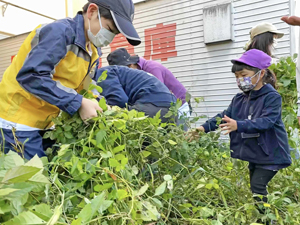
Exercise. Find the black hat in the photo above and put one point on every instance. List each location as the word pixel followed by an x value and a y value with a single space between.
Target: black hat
pixel 122 12
pixel 121 57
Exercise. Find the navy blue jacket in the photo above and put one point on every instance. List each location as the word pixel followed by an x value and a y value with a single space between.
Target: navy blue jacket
pixel 261 137
pixel 129 86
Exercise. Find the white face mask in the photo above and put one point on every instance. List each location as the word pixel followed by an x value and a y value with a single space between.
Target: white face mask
pixel 103 38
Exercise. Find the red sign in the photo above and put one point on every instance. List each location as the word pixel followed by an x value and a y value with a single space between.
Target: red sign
pixel 159 43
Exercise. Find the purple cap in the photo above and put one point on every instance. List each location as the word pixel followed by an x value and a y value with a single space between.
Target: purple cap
pixel 255 58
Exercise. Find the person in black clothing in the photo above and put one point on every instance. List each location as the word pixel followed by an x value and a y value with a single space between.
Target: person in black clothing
pixel 137 89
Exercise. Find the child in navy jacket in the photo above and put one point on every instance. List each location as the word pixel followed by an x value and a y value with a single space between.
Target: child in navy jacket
pixel 253 121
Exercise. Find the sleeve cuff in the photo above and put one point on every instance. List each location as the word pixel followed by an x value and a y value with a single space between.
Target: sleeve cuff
pixel 241 126
pixel 74 105
pixel 206 127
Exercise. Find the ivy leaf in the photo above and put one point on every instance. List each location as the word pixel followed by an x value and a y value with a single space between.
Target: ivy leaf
pixel 161 189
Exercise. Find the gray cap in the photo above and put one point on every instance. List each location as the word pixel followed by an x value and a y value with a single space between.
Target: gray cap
pixel 122 12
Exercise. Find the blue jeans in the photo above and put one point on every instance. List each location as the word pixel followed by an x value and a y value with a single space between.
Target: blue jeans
pixel 34 143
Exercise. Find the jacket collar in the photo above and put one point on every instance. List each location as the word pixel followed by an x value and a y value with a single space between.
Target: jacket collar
pixel 80 33
pixel 80 39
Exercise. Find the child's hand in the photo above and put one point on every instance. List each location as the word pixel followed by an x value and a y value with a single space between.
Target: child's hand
pixel 194 134
pixel 89 109
pixel 229 126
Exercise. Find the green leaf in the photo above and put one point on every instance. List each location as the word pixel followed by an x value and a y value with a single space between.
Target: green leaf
pixel 68 135
pixel 106 155
pixel 12 159
pixel 216 222
pixel 26 218
pixel 4 208
pixel 6 191
pixel 99 89
pixel 209 186
pixel 106 186
pixel 188 97
pixel 21 190
pixel 167 177
pixel 89 211
pixel 76 222
pixel 172 142
pixel 104 206
pixel 161 189
pixel 150 213
pixel 100 136
pixel 20 174
pixel 157 202
pixel 124 162
pixel 57 213
pixel 118 149
pixel 113 163
pixel 102 104
pixel 169 114
pixel 67 128
pixel 142 190
pixel 43 211
pixel 135 170
pixel 119 157
pixel 102 77
pixel 145 154
pixel 121 194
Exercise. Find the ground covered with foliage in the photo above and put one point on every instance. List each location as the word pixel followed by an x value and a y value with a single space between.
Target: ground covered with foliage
pixel 125 168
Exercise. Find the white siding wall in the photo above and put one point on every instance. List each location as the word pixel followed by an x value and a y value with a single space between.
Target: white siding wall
pixel 8 48
pixel 205 70
pixel 2 36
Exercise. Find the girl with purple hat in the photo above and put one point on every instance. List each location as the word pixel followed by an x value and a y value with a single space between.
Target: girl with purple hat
pixel 253 121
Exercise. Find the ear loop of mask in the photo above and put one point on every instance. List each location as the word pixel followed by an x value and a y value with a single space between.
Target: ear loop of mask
pixel 99 21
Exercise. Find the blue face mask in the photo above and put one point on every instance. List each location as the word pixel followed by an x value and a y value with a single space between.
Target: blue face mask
pixel 245 83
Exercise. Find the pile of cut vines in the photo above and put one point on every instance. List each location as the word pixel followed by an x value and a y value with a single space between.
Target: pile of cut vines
pixel 125 168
